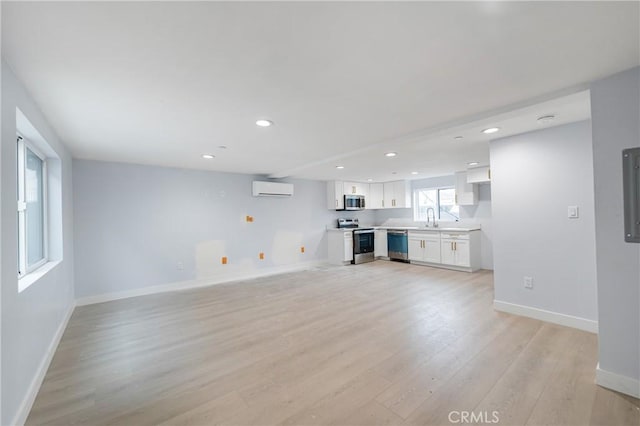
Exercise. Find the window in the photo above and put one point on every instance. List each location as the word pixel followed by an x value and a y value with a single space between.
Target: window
pixel 32 209
pixel 441 200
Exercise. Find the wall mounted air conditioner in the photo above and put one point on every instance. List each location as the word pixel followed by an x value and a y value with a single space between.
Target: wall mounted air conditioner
pixel 272 189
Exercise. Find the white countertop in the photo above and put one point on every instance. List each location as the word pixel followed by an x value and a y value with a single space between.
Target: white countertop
pixel 413 228
pixel 430 229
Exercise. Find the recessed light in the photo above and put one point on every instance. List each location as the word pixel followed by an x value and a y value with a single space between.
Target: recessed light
pixel 222 147
pixel 459 137
pixel 414 173
pixel 490 130
pixel 369 180
pixel 546 118
pixel 340 167
pixel 473 163
pixel 208 156
pixel 264 123
pixel 390 154
pixel 394 173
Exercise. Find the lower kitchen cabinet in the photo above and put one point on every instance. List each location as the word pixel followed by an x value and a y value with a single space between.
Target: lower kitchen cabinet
pixel 380 243
pixel 453 250
pixel 340 246
pixel 460 249
pixel 424 247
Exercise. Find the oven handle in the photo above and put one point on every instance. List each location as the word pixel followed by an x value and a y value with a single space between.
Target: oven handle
pixel 369 231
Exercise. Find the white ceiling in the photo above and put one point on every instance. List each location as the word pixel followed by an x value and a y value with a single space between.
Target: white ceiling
pixel 164 82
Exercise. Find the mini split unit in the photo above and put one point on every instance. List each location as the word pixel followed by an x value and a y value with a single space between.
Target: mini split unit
pixel 272 189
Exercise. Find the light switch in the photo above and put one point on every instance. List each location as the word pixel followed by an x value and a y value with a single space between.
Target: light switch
pixel 572 212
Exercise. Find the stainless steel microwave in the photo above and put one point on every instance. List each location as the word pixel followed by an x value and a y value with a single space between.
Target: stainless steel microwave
pixel 354 202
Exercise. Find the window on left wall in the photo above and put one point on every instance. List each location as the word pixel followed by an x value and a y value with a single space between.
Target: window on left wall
pixel 32 207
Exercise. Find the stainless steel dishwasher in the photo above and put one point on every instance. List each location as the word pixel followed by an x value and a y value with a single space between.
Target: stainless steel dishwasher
pixel 398 244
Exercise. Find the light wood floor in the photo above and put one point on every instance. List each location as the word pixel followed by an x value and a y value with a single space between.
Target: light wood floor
pixel 375 344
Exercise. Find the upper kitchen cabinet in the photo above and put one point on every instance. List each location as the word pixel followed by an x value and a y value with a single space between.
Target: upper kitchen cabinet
pixel 356 188
pixel 335 195
pixel 397 194
pixel 375 197
pixel 466 193
pixel 479 175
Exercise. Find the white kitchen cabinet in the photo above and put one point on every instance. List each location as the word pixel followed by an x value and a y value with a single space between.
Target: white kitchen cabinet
pixel 374 199
pixel 447 255
pixel 479 175
pixel 380 243
pixel 397 194
pixel 335 195
pixel 388 193
pixel 355 188
pixel 414 243
pixel 460 249
pixel 466 193
pixel 432 248
pixel 424 247
pixel 340 245
pixel 348 247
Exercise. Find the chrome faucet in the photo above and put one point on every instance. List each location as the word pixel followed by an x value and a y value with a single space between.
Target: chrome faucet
pixel 430 209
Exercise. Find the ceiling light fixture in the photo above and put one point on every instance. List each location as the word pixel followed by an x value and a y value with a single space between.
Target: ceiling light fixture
pixel 391 154
pixel 340 167
pixel 208 156
pixel 369 180
pixel 490 130
pixel 414 173
pixel 473 163
pixel 546 118
pixel 264 123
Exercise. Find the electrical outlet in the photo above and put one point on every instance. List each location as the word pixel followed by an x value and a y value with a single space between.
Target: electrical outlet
pixel 572 212
pixel 180 266
pixel 528 282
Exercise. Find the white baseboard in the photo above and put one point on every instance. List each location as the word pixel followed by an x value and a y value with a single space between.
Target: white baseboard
pixel 548 316
pixel 34 387
pixel 185 285
pixel 618 383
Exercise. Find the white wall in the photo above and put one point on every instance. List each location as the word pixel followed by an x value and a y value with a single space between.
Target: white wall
pixel 479 213
pixel 615 105
pixel 134 224
pixel 31 318
pixel 535 177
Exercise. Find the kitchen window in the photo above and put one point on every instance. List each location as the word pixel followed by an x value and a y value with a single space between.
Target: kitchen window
pixel 441 200
pixel 32 207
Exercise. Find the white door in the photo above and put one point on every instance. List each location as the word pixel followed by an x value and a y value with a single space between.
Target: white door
pixel 431 249
pixel 348 246
pixel 374 199
pixel 401 193
pixel 380 243
pixel 388 195
pixel 416 251
pixel 339 195
pixel 350 188
pixel 462 253
pixel 447 255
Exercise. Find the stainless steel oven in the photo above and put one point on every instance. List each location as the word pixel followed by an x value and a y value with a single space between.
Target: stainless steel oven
pixel 363 245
